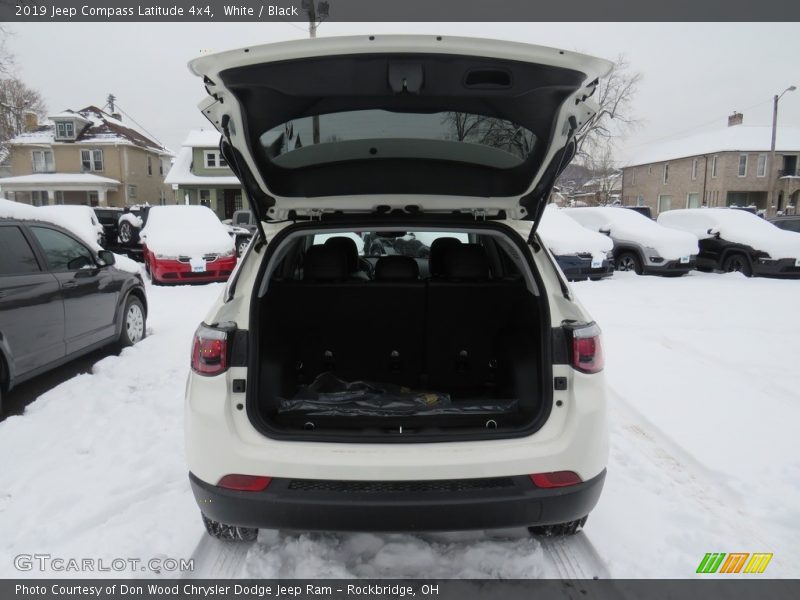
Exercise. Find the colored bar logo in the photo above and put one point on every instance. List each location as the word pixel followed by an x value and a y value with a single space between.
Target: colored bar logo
pixel 735 562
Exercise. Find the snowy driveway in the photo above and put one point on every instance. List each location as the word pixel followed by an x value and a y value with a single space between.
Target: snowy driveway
pixel 702 372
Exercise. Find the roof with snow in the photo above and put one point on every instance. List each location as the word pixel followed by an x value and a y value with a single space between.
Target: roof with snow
pixel 50 179
pixel 181 171
pixel 202 138
pixel 99 128
pixel 738 138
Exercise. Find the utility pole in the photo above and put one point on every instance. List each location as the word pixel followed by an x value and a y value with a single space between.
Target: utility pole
pixel 773 176
pixel 311 8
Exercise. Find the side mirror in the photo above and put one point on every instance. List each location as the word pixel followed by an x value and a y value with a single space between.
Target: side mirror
pixel 106 257
pixel 605 230
pixel 713 231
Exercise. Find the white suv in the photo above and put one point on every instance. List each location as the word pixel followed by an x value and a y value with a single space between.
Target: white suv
pixel 448 382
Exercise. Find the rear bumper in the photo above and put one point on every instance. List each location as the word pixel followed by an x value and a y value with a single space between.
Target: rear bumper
pixel 177 271
pixel 393 506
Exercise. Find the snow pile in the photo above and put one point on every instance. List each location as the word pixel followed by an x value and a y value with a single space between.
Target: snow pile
pixel 185 231
pixel 737 226
pixel 627 225
pixel 565 236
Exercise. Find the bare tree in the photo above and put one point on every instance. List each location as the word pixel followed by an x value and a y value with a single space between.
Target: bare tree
pixel 615 95
pixel 490 131
pixel 6 58
pixel 17 100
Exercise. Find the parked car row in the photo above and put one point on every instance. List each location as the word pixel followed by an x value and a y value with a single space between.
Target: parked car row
pixel 708 239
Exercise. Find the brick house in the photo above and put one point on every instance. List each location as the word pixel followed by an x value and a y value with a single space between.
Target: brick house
pixel 728 167
pixel 200 175
pixel 85 157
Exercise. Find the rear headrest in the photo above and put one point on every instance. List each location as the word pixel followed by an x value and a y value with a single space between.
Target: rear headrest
pixel 439 248
pixel 466 262
pixel 348 246
pixel 396 268
pixel 325 263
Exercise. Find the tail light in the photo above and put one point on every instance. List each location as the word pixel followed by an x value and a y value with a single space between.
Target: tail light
pixel 556 479
pixel 587 350
pixel 210 350
pixel 245 483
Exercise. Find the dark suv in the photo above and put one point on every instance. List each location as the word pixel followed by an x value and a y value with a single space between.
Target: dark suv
pixel 59 299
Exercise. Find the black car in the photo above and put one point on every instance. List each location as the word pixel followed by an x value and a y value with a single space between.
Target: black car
pixel 642 210
pixel 109 218
pixel 59 299
pixel 130 224
pixel 789 223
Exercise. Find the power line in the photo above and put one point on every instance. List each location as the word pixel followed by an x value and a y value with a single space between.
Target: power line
pixel 122 110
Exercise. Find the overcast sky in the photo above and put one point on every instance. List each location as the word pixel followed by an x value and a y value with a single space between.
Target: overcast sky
pixel 694 74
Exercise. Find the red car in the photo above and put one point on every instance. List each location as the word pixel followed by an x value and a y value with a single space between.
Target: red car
pixel 185 244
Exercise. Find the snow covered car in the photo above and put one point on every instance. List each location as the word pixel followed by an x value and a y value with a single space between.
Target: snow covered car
pixel 787 222
pixel 737 240
pixel 77 218
pixel 61 295
pixel 183 244
pixel 475 399
pixel 581 254
pixel 640 244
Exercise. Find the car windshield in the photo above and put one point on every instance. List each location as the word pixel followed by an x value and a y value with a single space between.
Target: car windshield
pixel 382 133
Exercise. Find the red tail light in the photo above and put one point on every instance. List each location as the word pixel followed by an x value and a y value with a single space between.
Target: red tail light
pixel 210 351
pixel 587 351
pixel 245 483
pixel 555 480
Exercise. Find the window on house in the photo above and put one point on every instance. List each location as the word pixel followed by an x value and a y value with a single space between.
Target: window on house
pixel 132 192
pixel 666 173
pixel 214 160
pixel 694 169
pixel 160 166
pixel 693 200
pixel 761 169
pixel 93 198
pixel 649 169
pixel 664 203
pixel 39 198
pixel 742 165
pixel 65 129
pixel 205 197
pixel 149 165
pixel 714 167
pixel 59 197
pixel 633 176
pixel 237 201
pixel 43 161
pixel 640 201
pixel 92 160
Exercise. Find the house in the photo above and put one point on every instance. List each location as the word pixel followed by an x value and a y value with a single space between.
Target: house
pixel 85 157
pixel 200 175
pixel 599 190
pixel 727 167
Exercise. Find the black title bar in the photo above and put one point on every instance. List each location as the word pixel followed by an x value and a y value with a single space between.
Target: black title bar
pixel 398 10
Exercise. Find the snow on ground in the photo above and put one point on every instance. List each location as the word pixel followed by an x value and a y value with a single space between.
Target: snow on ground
pixel 703 407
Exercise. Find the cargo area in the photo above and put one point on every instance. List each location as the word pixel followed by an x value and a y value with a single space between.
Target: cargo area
pixel 399 334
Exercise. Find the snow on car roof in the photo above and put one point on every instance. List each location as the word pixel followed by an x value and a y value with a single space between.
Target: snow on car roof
pixel 183 230
pixel 737 226
pixel 565 236
pixel 631 226
pixel 731 139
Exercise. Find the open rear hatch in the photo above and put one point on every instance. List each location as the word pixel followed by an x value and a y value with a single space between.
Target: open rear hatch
pixel 418 124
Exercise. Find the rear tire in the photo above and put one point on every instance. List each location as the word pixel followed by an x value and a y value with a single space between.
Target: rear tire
pixel 128 234
pixel 628 261
pixel 559 529
pixel 737 263
pixel 229 533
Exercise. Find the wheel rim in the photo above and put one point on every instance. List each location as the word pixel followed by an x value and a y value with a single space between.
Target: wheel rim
pixel 242 247
pixel 125 233
pixel 626 263
pixel 134 323
pixel 735 265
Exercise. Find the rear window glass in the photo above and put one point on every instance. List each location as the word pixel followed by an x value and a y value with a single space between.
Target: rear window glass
pixel 16 255
pixel 416 244
pixel 381 133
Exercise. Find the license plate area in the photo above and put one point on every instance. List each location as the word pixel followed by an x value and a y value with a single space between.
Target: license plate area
pixel 684 260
